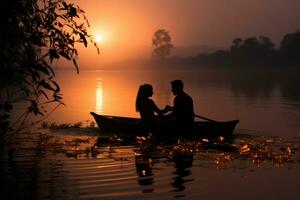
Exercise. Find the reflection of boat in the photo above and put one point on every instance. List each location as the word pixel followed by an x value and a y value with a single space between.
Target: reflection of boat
pixel 183 160
pixel 130 126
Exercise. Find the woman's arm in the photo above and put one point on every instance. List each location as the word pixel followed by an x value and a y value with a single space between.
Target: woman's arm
pixel 159 111
pixel 167 109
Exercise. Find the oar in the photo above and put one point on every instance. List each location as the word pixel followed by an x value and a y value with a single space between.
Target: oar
pixel 201 117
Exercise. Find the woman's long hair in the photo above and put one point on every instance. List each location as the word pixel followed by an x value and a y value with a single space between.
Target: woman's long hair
pixel 143 93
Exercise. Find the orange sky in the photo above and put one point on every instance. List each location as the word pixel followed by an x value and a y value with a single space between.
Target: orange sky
pixel 128 25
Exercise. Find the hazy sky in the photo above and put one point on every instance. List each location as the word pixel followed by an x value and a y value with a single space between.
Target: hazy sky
pixel 131 23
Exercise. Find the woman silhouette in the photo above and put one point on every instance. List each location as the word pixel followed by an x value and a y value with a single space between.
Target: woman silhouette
pixel 147 108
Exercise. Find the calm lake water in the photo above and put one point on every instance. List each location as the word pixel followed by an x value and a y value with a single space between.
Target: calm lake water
pixel 57 166
pixel 262 160
pixel 265 101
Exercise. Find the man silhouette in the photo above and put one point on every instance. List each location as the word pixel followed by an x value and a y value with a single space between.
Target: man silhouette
pixel 183 108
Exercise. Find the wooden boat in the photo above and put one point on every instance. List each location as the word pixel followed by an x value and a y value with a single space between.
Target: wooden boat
pixel 131 127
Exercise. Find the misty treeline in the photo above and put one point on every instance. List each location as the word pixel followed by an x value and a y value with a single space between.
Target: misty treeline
pixel 251 51
pixel 35 33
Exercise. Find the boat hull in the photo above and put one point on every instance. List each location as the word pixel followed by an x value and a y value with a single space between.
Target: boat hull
pixel 131 127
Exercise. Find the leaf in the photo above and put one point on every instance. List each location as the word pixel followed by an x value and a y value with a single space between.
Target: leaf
pixel 53 54
pixel 41 69
pixel 83 39
pixel 44 93
pixel 76 65
pixel 65 5
pixel 58 97
pixel 34 108
pixel 57 87
pixel 49 67
pixel 47 86
pixel 72 11
pixel 65 55
pixel 34 75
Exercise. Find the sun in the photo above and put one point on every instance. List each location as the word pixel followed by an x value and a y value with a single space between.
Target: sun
pixel 98 38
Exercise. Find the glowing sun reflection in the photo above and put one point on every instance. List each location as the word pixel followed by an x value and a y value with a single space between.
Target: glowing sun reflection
pixel 99 96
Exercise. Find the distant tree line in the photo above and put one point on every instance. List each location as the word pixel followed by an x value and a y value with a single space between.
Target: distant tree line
pixel 259 51
pixel 250 51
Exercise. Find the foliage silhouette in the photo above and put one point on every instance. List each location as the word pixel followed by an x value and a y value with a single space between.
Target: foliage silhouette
pixel 252 50
pixel 290 48
pixel 35 33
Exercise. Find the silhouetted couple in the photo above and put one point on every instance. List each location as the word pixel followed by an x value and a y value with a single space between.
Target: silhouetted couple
pixel 180 116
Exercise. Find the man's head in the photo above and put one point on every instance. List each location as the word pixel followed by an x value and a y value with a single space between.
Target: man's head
pixel 177 87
